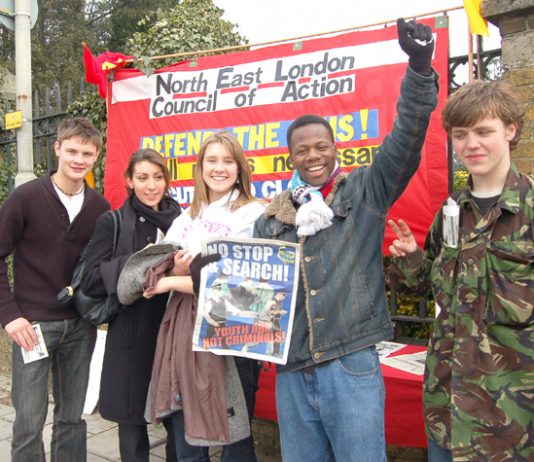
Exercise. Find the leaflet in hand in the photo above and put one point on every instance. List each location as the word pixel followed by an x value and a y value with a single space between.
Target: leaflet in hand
pixel 247 299
pixel 39 349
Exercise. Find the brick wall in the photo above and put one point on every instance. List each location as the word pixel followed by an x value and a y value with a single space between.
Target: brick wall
pixel 515 20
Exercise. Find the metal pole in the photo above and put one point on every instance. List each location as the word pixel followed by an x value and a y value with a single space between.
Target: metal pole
pixel 23 68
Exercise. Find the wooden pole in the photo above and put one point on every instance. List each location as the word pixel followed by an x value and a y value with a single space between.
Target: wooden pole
pixel 479 57
pixel 470 53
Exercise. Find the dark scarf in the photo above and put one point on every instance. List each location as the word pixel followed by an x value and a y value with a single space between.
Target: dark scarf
pixel 162 218
pixel 132 207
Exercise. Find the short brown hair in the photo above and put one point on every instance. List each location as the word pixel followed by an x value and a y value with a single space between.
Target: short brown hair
pixel 244 175
pixel 148 155
pixel 479 99
pixel 79 127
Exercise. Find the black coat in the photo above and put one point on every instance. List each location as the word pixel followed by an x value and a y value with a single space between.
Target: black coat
pixel 132 335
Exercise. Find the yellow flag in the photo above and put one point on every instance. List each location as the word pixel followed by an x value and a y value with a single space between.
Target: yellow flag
pixel 477 24
pixel 90 178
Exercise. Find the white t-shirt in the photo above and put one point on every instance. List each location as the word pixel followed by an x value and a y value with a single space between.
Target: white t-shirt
pixel 215 220
pixel 73 204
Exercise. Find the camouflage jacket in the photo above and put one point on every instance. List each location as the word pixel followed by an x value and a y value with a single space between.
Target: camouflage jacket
pixel 479 378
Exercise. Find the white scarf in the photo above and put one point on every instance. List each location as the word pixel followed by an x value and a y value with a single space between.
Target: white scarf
pixel 313 215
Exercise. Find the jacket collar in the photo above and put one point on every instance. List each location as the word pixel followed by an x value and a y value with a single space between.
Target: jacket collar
pixel 284 210
pixel 510 198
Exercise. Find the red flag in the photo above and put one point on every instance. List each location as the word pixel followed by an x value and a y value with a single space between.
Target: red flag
pixel 96 69
pixel 91 69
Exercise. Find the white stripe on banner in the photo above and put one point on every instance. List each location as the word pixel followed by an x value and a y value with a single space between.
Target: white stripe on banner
pixel 277 80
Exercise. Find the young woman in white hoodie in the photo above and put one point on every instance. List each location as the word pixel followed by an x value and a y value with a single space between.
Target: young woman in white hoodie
pixel 223 206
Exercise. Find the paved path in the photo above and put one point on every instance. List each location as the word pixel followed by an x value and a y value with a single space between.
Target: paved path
pixel 102 439
pixel 103 442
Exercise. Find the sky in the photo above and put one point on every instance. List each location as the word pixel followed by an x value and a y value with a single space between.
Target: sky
pixel 262 21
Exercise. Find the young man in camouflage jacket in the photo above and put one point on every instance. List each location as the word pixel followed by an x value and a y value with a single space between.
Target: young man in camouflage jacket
pixel 479 378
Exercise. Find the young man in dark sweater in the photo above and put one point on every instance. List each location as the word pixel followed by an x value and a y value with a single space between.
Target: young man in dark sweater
pixel 45 224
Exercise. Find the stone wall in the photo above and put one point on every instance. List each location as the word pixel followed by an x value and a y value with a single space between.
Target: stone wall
pixel 515 20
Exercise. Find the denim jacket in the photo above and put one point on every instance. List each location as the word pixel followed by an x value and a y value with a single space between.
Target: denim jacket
pixel 341 304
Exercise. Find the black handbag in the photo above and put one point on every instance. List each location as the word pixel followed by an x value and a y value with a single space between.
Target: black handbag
pixel 99 310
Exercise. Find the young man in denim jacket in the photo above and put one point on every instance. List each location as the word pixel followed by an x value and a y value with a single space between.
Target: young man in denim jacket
pixel 330 394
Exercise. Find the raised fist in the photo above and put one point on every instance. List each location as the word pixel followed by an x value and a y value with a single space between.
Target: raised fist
pixel 417 41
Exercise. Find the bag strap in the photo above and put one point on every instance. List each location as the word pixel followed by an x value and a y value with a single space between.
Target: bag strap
pixel 68 292
pixel 117 221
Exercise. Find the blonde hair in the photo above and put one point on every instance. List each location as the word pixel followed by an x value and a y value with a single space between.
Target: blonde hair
pixel 244 174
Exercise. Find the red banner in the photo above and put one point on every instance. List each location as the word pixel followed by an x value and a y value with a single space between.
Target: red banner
pixel 351 79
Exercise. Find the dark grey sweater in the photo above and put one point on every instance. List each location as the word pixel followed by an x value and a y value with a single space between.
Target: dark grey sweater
pixel 34 226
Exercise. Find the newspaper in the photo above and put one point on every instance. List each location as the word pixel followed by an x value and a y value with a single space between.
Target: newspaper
pixel 384 349
pixel 413 363
pixel 39 349
pixel 247 299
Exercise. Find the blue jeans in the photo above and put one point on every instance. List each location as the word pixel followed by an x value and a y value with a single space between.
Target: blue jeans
pixel 240 451
pixel 335 412
pixel 70 346
pixel 438 454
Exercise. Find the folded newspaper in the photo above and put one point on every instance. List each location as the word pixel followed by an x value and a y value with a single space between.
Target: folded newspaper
pixel 414 363
pixel 247 299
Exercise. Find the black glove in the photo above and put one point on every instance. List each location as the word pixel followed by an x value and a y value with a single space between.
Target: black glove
pixel 197 264
pixel 417 42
